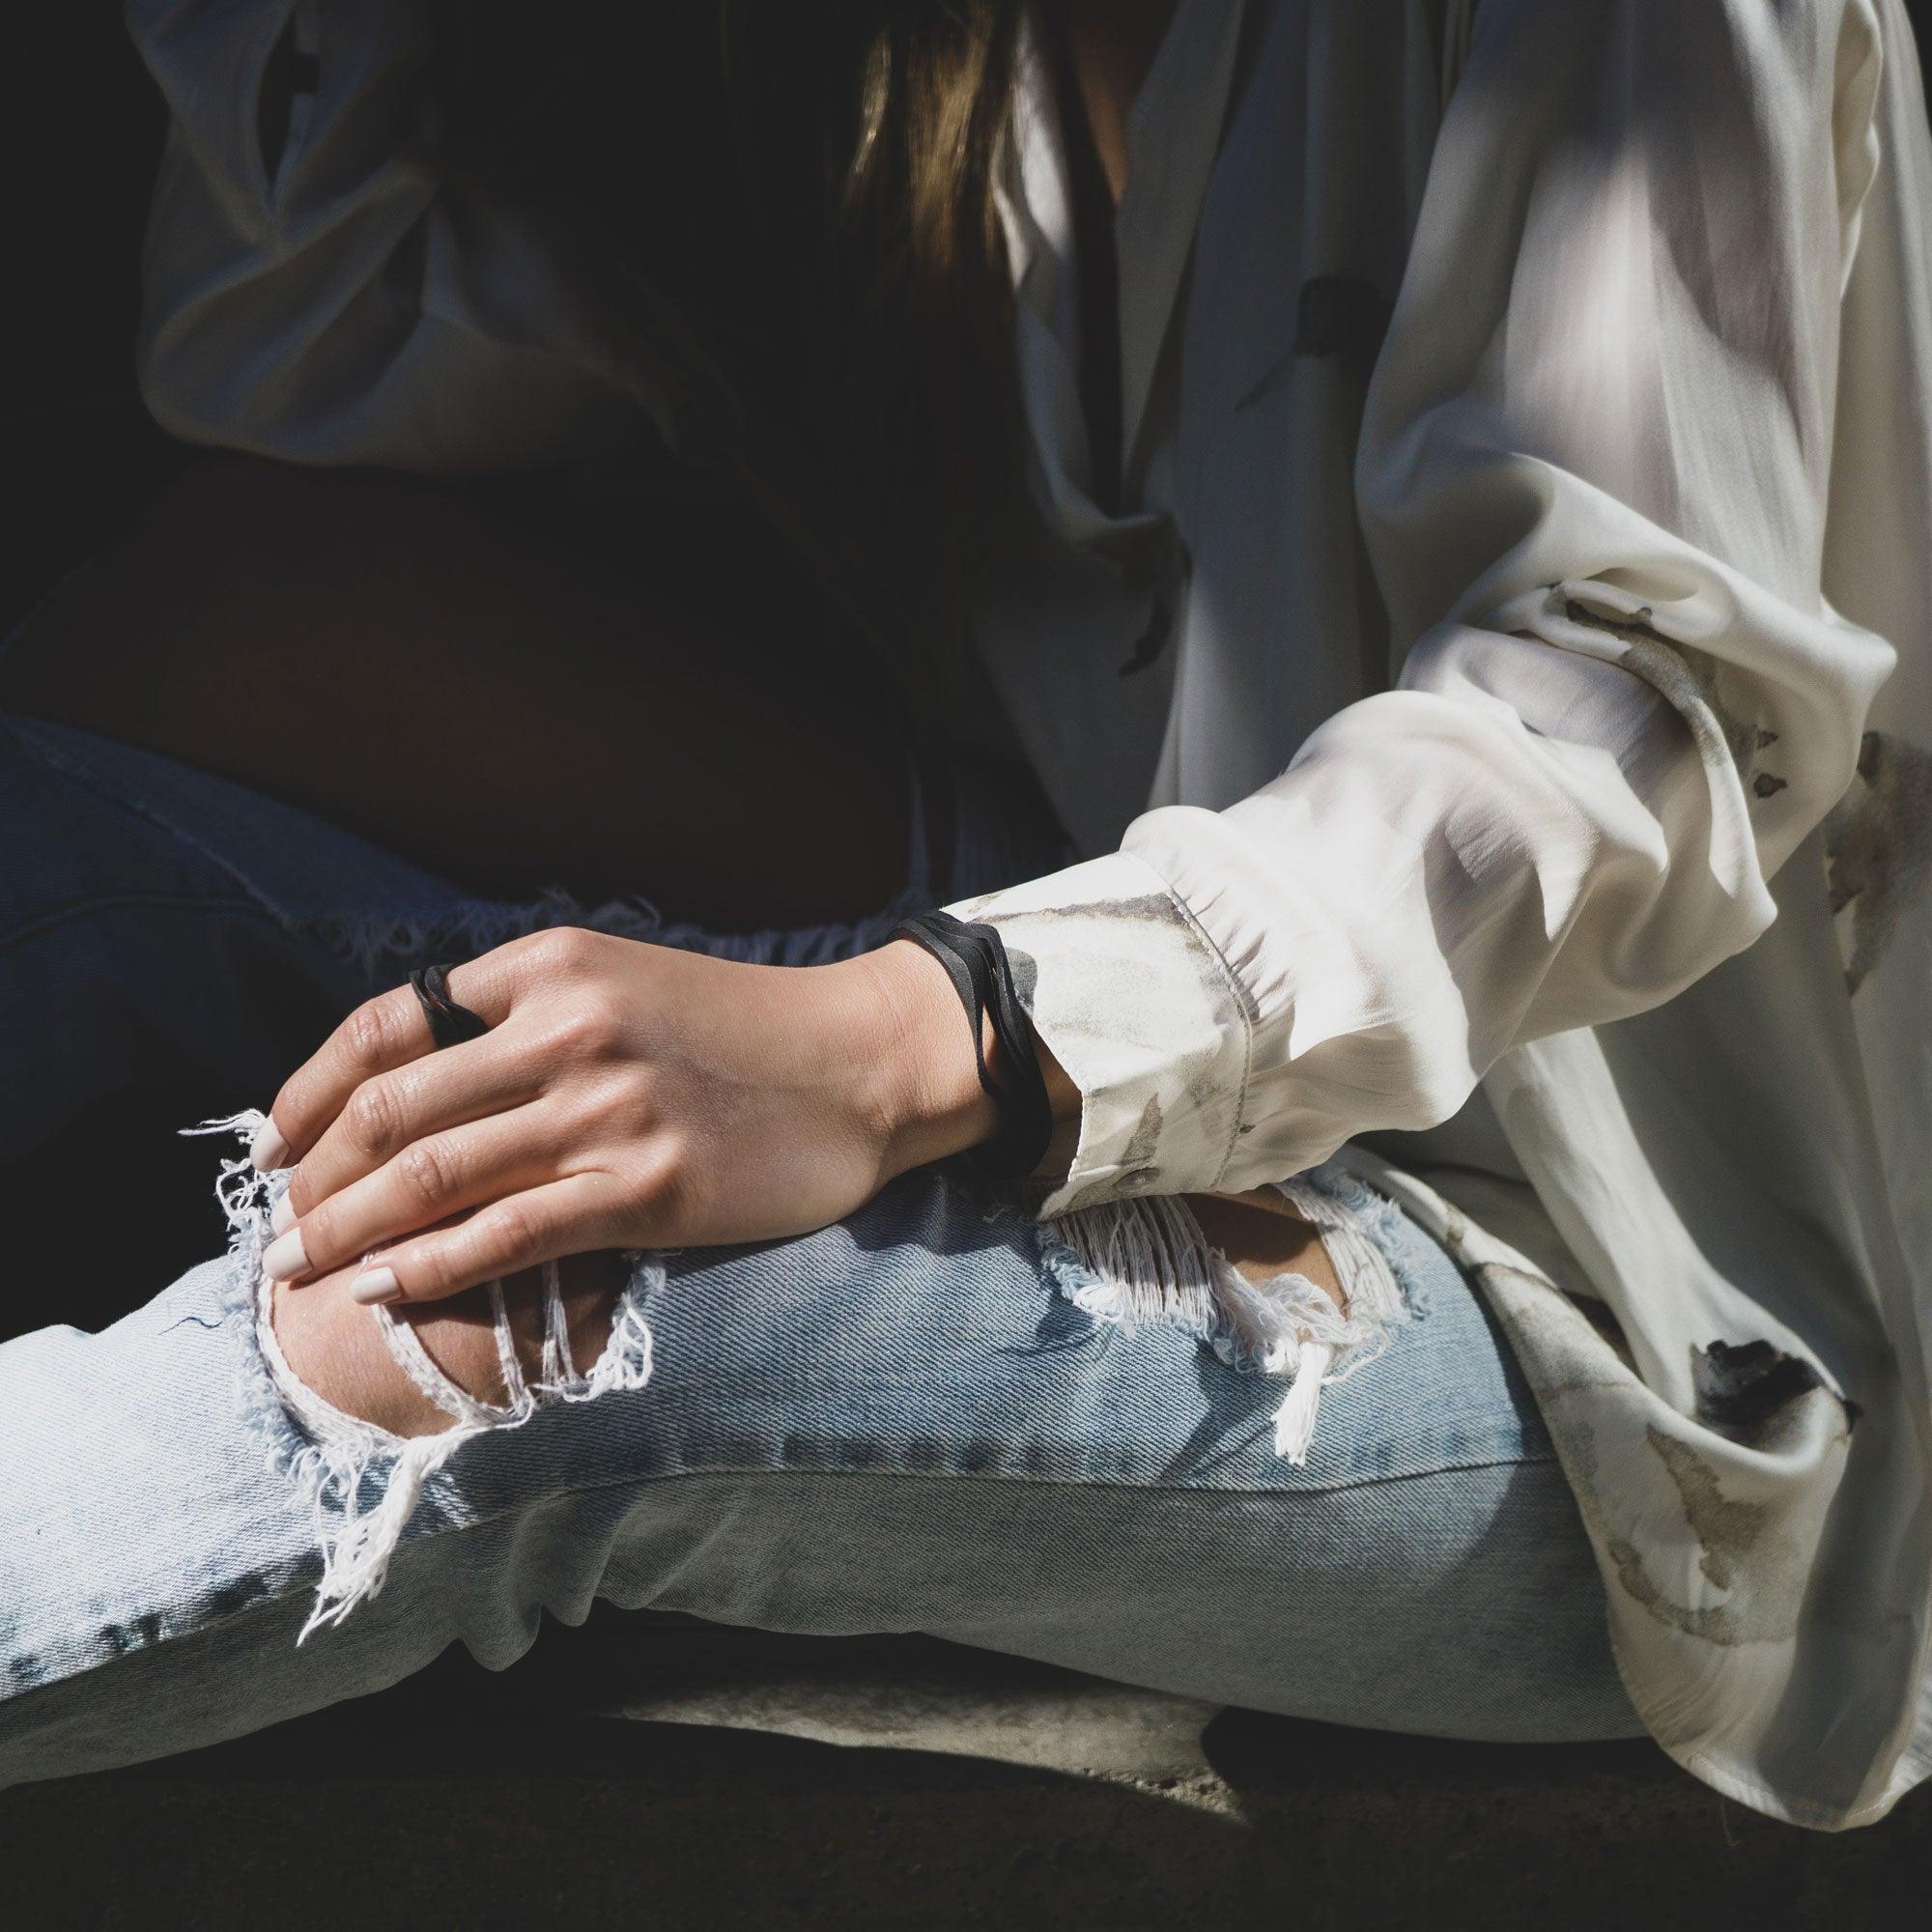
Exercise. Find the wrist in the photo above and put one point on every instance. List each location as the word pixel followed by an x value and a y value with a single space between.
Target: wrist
pixel 929 1097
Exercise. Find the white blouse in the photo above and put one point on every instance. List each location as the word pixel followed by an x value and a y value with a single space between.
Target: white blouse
pixel 1504 742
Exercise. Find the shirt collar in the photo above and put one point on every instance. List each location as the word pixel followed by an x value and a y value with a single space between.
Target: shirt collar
pixel 1174 132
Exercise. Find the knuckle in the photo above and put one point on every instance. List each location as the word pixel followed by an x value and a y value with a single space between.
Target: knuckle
pixel 514 1230
pixel 619 1104
pixel 429 1169
pixel 670 1167
pixel 368 1032
pixel 662 1185
pixel 429 1270
pixel 593 1024
pixel 372 1119
pixel 320 1241
pixel 564 949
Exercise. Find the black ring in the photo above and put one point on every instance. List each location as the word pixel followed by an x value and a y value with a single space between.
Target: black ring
pixel 449 1024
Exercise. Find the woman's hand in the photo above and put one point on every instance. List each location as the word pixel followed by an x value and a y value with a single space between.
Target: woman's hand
pixel 626 1096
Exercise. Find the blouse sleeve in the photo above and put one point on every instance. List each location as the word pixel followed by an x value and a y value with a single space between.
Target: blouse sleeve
pixel 310 292
pixel 1592 477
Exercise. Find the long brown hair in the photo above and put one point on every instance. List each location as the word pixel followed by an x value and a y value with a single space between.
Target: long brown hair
pixel 792 206
pixel 911 338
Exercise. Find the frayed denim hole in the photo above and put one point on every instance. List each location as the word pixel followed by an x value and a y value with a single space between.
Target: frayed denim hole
pixel 1377 1215
pixel 284 1450
pixel 385 943
pixel 1380 1220
pixel 1144 1262
pixel 288 1450
pixel 360 1485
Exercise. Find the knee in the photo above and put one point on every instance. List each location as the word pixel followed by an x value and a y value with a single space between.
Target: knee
pixel 1261 1235
pixel 337 1347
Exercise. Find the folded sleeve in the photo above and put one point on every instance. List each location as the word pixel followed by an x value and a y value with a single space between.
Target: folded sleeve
pixel 1592 477
pixel 311 291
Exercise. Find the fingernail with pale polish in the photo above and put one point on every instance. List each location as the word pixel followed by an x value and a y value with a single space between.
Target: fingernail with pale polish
pixel 269 1151
pixel 378 1285
pixel 285 1259
pixel 283 1217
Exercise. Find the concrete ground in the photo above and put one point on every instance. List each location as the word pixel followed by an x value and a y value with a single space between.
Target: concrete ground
pixel 663 1774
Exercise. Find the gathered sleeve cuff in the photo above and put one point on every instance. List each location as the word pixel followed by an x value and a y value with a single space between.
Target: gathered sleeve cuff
pixel 1143 1015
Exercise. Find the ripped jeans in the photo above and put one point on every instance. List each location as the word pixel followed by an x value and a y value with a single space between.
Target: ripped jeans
pixel 1063 1441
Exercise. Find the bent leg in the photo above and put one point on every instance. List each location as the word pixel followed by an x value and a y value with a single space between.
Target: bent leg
pixel 916 1421
pixel 337 1351
pixel 905 1422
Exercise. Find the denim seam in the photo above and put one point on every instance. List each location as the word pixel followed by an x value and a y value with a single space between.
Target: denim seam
pixel 434 1532
pixel 78 773
pixel 112 902
pixel 1112 1487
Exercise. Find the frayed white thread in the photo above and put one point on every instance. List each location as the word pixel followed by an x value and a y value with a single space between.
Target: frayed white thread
pixel 557 1361
pixel 507 1364
pixel 342 1453
pixel 1144 1260
pixel 626 1362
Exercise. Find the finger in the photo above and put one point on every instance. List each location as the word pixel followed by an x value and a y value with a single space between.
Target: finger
pixel 395 1110
pixel 521 1231
pixel 381 1034
pixel 431 1179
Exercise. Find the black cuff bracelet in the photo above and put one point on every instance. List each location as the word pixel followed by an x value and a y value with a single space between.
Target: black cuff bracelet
pixel 975 958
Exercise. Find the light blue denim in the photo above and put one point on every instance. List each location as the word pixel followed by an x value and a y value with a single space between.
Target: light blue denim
pixel 901 1422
